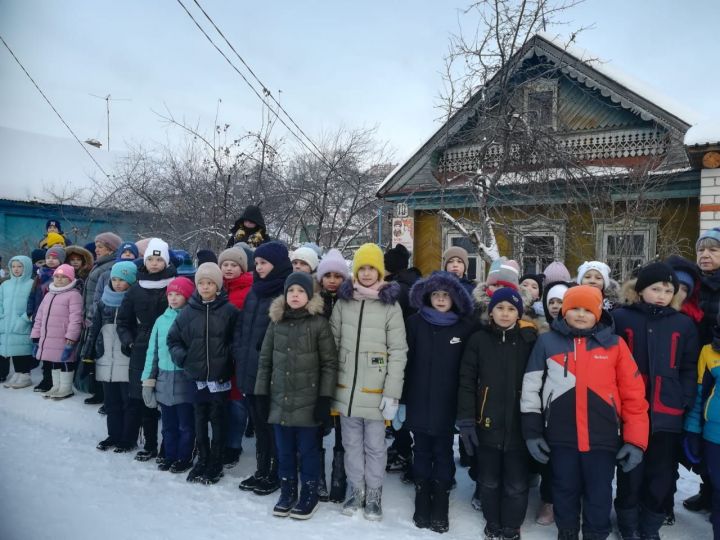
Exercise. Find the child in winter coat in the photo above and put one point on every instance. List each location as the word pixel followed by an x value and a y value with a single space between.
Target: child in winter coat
pixel 368 326
pixel 169 385
pixel 436 335
pixel 272 267
pixel 503 273
pixel 144 302
pixel 456 261
pixel 664 344
pixel 237 281
pixel 80 259
pixel 702 423
pixel 57 328
pixel 103 348
pixel 332 271
pixel 54 257
pixel 597 274
pixel 299 356
pixel 304 259
pixel 15 327
pixel 200 342
pixel 488 412
pixel 582 398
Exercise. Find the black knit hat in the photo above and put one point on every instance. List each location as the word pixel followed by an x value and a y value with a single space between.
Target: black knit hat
pixel 253 213
pixel 56 223
pixel 206 255
pixel 537 278
pixel 657 272
pixel 396 259
pixel 303 279
pixel 37 255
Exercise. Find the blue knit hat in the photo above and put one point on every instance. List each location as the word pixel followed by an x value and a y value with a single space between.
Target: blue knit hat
pixel 56 223
pixel 303 279
pixel 276 253
pixel 125 270
pixel 127 246
pixel 506 294
pixel 713 233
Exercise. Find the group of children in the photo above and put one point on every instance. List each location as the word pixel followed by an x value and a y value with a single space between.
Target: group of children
pixel 537 373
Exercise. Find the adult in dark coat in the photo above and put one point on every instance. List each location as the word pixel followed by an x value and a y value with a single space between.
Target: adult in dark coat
pixel 247 343
pixel 144 302
pixel 249 228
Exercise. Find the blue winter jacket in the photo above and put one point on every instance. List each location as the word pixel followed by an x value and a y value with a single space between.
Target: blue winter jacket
pixel 705 415
pixel 15 326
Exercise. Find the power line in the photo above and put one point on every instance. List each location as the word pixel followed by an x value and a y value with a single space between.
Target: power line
pixel 53 107
pixel 244 78
pixel 264 87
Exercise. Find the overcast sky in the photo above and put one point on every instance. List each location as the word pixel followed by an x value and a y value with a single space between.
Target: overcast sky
pixel 337 63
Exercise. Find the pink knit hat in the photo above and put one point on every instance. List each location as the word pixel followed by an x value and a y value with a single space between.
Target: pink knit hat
pixel 65 270
pixel 332 261
pixel 181 285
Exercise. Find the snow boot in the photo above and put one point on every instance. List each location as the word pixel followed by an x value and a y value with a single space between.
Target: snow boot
pixel 124 448
pixel 214 471
pixel 270 483
pixel 423 504
pixel 9 382
pixel 164 465
pixel 231 456
pixel 650 523
pixel 251 482
pixel 146 454
pixel 492 532
pixel 54 385
pixel 701 501
pixel 308 503
pixel 22 380
pixel 511 534
pixel 197 472
pixel 105 444
pixel 628 523
pixel 180 466
pixel 355 500
pixel 47 381
pixel 93 400
pixel 373 504
pixel 476 501
pixel 669 518
pixel 439 522
pixel 66 385
pixel 322 490
pixel 338 480
pixel 288 497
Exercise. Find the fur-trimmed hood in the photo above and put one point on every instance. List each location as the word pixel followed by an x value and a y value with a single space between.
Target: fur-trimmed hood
pixel 87 257
pixel 389 292
pixel 631 296
pixel 441 281
pixel 278 312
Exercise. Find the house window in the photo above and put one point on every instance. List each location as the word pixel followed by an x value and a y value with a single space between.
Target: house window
pixel 626 247
pixel 541 105
pixel 537 243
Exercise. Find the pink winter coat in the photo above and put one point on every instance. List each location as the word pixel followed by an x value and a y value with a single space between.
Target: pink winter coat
pixel 59 318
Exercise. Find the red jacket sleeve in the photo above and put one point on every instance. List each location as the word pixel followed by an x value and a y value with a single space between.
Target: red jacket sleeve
pixel 633 405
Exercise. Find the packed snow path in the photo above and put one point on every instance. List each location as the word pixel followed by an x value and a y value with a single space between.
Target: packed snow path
pixel 55 484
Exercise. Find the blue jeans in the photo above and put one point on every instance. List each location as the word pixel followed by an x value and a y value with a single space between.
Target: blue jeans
pixel 291 441
pixel 178 431
pixel 237 417
pixel 712 458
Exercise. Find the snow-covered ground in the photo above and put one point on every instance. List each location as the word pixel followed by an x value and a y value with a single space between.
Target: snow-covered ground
pixel 55 484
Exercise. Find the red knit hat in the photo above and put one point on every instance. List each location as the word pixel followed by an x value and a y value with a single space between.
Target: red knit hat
pixel 181 285
pixel 584 296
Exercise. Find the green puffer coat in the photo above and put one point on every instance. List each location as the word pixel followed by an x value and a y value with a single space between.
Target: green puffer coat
pixel 298 362
pixel 372 351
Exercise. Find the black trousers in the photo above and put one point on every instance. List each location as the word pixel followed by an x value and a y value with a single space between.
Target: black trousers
pixel 138 415
pixel 503 479
pixel 433 457
pixel 210 410
pixel 22 364
pixel 116 402
pixel 650 483
pixel 264 439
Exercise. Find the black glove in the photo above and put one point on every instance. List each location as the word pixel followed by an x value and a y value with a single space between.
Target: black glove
pixel 468 434
pixel 262 406
pixel 126 349
pixel 321 412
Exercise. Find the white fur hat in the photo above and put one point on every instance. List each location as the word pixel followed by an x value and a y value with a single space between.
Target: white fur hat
pixel 599 266
pixel 306 254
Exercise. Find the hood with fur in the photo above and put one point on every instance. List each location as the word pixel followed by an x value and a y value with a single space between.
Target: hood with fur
pixel 441 281
pixel 389 292
pixel 277 307
pixel 630 296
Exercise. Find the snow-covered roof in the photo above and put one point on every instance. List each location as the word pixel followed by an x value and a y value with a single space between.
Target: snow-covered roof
pixel 706 132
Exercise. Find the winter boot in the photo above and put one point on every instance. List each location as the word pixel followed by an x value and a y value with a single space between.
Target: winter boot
pixel 66 386
pixel 568 534
pixel 270 483
pixel 511 534
pixel 54 385
pixel 105 444
pixel 493 531
pixel 628 523
pixel 322 490
pixel 95 399
pixel 476 501
pixel 288 497
pixel 338 481
pixel 197 472
pixel 251 482
pixel 423 504
pixel 669 518
pixel 164 465
pixel 146 454
pixel 180 466
pixel 701 501
pixel 355 500
pixel 308 503
pixel 124 448
pixel 214 471
pixel 650 523
pixel 439 522
pixel 231 456
pixel 47 381
pixel 373 504
pixel 9 382
pixel 21 380
pixel 545 515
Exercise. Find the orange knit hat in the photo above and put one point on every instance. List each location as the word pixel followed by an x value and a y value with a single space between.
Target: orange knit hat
pixel 583 296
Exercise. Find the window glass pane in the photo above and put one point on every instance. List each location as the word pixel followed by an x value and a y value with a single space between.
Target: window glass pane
pixel 626 245
pixel 472 271
pixel 540 107
pixel 463 242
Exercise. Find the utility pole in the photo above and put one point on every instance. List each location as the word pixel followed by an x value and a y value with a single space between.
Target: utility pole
pixel 107 99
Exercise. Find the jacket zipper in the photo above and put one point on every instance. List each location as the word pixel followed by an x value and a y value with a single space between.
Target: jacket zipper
pixel 617 417
pixel 207 342
pixel 547 409
pixel 482 407
pixel 47 318
pixel 357 355
pixel 565 371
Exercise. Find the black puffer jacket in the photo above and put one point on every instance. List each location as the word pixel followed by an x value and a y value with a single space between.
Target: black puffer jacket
pixel 144 302
pixel 491 377
pixel 709 304
pixel 406 279
pixel 200 339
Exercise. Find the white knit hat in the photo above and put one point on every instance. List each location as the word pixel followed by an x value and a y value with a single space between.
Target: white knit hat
pixel 600 266
pixel 557 291
pixel 157 247
pixel 306 254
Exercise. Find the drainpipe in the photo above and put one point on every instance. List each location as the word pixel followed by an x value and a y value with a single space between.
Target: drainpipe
pixel 380 212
